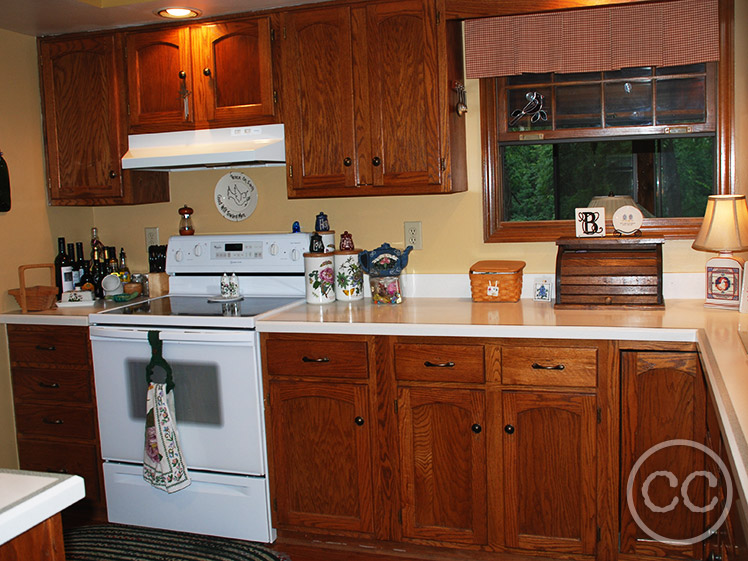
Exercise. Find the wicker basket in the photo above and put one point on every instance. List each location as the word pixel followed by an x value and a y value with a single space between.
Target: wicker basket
pixel 35 298
pixel 496 281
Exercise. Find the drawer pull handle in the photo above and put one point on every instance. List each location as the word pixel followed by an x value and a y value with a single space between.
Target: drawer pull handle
pixel 48 421
pixel 46 348
pixel 52 385
pixel 430 364
pixel 537 366
pixel 53 470
pixel 359 421
pixel 321 359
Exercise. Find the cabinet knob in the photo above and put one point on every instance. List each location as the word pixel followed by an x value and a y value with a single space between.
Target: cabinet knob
pixel 476 428
pixel 376 160
pixel 536 366
pixel 206 71
pixel 347 162
pixel 359 421
pixel 112 174
pixel 509 429
pixel 182 75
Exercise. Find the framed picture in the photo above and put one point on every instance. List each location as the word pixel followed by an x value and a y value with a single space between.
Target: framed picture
pixel 590 222
pixel 542 290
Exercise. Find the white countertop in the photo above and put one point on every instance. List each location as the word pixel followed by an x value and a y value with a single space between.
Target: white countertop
pixel 715 331
pixel 73 315
pixel 28 498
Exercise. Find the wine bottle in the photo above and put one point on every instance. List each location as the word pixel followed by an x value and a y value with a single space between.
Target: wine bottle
pixel 87 280
pixel 73 264
pixel 63 270
pixel 124 271
pixel 80 261
pixel 96 245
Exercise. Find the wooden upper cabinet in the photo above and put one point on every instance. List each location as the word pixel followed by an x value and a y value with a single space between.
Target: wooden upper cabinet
pixel 367 104
pixel 202 76
pixel 84 125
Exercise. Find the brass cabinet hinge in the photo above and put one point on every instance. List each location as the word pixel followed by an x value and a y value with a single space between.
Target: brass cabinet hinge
pixel 396 406
pixel 275 96
pixel 290 170
pixel 443 164
pixel 272 34
pixel 284 33
pixel 599 415
pixel 438 17
pixel 598 533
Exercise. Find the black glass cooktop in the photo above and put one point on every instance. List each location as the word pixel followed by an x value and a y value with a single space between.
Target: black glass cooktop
pixel 202 306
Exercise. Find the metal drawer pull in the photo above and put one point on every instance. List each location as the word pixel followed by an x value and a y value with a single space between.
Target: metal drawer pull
pixel 53 385
pixel 47 348
pixel 537 366
pixel 48 421
pixel 321 359
pixel 449 364
pixel 53 470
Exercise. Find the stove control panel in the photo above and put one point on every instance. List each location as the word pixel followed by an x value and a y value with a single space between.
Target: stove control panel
pixel 239 253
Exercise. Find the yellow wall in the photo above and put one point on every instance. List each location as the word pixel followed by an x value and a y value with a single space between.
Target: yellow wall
pixel 452 228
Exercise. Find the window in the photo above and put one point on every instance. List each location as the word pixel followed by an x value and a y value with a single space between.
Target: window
pixel 662 135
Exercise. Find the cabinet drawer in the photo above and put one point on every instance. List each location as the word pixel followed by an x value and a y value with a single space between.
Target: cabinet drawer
pixel 58 421
pixel 48 344
pixel 549 366
pixel 439 363
pixel 54 457
pixel 72 386
pixel 310 357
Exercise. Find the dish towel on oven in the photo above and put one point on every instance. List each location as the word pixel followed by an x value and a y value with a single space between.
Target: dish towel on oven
pixel 163 464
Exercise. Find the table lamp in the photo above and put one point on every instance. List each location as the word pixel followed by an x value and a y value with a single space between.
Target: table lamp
pixel 725 229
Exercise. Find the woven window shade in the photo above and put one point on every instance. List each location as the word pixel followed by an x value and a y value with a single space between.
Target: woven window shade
pixel 595 39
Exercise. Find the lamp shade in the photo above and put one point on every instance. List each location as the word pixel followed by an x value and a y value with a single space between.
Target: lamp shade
pixel 725 226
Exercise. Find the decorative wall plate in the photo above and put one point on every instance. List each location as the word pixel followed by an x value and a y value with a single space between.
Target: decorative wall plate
pixel 235 196
pixel 627 220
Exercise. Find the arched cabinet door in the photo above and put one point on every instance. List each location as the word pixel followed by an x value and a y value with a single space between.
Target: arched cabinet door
pixel 321 455
pixel 550 471
pixel 664 397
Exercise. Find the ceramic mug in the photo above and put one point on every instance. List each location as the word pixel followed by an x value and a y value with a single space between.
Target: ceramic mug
pixel 319 276
pixel 112 285
pixel 349 277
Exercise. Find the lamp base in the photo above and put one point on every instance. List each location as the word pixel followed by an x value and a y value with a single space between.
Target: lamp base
pixel 724 278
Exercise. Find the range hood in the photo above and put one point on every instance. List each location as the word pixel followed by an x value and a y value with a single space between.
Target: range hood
pixel 235 146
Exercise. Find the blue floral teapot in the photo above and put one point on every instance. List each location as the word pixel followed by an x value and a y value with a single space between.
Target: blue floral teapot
pixel 385 261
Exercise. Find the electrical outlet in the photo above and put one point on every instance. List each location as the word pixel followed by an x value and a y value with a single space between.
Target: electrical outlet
pixel 413 235
pixel 151 238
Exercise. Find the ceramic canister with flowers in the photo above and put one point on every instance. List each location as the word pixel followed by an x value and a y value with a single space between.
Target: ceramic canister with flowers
pixel 349 277
pixel 320 278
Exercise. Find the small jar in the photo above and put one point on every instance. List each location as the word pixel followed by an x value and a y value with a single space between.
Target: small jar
pixel 185 223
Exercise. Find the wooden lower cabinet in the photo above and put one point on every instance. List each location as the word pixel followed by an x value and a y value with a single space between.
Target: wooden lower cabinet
pixel 550 471
pixel 443 464
pixel 321 448
pixel 482 448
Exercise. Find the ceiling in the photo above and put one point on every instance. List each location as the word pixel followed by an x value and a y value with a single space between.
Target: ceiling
pixel 52 17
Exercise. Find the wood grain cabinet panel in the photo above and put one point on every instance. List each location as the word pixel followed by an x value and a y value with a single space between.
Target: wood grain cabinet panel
pixel 443 473
pixel 321 453
pixel 55 409
pixel 317 357
pixel 663 399
pixel 201 76
pixel 439 363
pixel 85 125
pixel 383 124
pixel 543 365
pixel 550 471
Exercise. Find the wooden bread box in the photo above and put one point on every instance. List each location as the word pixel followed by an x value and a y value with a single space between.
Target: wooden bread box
pixel 603 272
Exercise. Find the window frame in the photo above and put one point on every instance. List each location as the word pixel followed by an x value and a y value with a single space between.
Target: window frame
pixel 497 231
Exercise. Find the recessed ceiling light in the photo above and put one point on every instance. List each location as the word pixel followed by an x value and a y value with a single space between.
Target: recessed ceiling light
pixel 178 13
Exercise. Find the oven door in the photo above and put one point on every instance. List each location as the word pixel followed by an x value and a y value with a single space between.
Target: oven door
pixel 218 406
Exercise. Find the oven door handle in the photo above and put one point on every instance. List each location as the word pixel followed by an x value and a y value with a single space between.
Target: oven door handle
pixel 217 336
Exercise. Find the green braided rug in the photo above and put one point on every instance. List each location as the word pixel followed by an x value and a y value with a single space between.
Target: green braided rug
pixel 117 542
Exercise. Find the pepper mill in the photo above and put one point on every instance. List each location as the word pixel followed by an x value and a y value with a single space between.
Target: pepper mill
pixel 185 223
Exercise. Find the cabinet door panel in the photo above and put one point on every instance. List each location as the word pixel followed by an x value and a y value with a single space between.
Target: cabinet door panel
pixel 239 83
pixel 443 454
pixel 664 399
pixel 550 471
pixel 156 92
pixel 81 105
pixel 404 81
pixel 318 99
pixel 322 455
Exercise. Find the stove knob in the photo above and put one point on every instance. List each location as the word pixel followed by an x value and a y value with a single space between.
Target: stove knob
pixel 198 251
pixel 273 249
pixel 178 255
pixel 294 254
